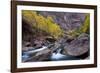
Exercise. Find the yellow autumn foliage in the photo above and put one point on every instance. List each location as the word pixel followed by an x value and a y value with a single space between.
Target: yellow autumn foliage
pixel 42 23
pixel 86 24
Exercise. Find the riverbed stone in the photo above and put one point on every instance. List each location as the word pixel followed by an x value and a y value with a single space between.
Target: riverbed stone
pixel 78 46
pixel 40 56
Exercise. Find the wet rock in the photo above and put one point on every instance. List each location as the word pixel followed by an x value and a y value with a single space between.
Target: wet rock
pixel 27 44
pixel 55 47
pixel 27 48
pixel 50 39
pixel 40 56
pixel 37 44
pixel 78 46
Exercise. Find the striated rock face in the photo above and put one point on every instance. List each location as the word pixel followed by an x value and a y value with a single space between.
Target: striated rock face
pixel 67 21
pixel 78 46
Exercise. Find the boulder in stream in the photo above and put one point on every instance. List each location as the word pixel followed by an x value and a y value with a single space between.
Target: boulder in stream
pixel 78 46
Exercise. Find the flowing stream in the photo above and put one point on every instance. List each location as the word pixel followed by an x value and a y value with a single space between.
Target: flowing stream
pixel 56 56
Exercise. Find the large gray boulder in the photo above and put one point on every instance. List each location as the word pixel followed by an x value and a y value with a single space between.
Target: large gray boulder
pixel 78 46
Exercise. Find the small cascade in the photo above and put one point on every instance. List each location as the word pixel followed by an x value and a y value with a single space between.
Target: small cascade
pixel 57 55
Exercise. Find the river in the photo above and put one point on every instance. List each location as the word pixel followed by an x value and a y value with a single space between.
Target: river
pixel 56 56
